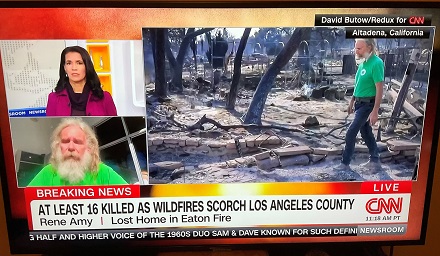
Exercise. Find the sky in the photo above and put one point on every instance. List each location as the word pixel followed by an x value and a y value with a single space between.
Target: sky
pixel 238 32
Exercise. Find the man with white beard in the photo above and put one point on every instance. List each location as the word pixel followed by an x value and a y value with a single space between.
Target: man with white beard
pixel 75 158
pixel 365 104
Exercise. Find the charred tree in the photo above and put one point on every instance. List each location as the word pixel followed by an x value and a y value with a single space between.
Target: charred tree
pixel 160 85
pixel 169 54
pixel 237 70
pixel 193 47
pixel 176 80
pixel 255 109
pixel 148 46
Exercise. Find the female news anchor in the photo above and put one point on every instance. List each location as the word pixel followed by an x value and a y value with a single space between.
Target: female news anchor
pixel 78 91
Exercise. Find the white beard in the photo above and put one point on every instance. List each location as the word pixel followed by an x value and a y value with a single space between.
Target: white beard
pixel 360 60
pixel 71 169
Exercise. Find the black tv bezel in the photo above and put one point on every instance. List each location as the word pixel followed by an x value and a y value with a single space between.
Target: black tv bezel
pixel 278 248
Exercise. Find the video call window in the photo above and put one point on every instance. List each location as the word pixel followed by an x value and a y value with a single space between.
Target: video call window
pixel 124 152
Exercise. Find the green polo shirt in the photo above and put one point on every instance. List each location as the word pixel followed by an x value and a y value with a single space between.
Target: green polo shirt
pixel 105 175
pixel 368 74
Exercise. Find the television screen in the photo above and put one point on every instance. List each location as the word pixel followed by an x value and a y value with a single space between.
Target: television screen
pixel 177 128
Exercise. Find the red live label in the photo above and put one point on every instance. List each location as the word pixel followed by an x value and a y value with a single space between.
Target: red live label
pixel 386 187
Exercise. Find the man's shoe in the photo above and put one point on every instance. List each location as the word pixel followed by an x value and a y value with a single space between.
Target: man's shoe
pixel 371 166
pixel 342 167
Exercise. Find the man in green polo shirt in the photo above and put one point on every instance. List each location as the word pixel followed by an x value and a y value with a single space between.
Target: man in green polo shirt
pixel 365 104
pixel 75 158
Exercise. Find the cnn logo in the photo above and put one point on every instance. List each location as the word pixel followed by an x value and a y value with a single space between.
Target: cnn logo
pixel 414 20
pixel 379 205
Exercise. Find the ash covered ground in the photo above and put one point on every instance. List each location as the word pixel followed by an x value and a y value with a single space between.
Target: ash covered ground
pixel 282 109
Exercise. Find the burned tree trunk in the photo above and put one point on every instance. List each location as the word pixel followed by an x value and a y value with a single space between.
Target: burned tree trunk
pixel 255 109
pixel 160 85
pixel 169 54
pixel 193 47
pixel 148 46
pixel 176 80
pixel 237 70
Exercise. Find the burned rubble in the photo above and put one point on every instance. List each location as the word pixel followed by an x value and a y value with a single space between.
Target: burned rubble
pixel 194 137
pixel 210 154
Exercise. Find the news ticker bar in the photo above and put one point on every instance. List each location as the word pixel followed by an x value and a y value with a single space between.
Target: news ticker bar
pixel 27 112
pixel 215 233
pixel 341 20
pixel 388 32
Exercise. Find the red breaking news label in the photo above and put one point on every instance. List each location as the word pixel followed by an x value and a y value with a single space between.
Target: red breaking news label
pixel 82 192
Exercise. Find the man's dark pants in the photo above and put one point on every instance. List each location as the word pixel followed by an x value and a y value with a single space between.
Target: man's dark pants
pixel 360 124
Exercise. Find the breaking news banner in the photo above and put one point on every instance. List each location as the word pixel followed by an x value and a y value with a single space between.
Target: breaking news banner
pixel 215 211
pixel 387 32
pixel 84 192
pixel 213 233
pixel 342 20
